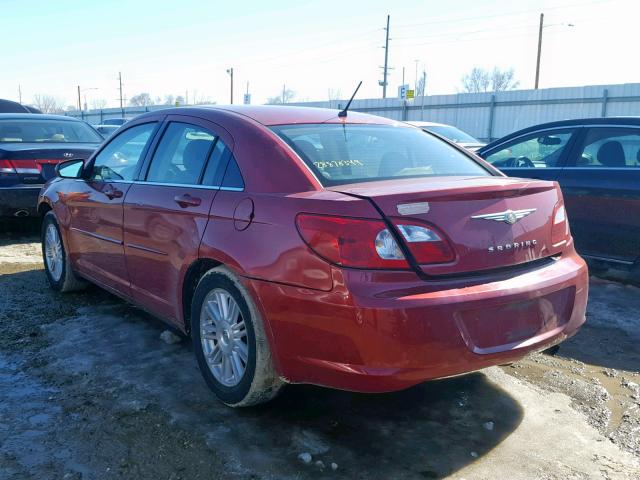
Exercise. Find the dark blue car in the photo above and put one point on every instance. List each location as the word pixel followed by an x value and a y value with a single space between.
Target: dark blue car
pixel 597 163
pixel 31 146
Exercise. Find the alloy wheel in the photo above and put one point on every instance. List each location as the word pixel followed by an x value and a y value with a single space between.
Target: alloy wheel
pixel 224 337
pixel 53 252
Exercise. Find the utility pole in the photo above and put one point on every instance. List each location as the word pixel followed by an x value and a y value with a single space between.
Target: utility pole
pixel 386 61
pixel 79 104
pixel 415 83
pixel 19 94
pixel 539 50
pixel 230 72
pixel 120 84
pixel 186 97
pixel 283 90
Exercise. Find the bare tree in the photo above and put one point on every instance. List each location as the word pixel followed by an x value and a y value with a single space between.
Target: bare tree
pixel 48 103
pixel 420 87
pixel 334 94
pixel 480 80
pixel 141 100
pixel 199 99
pixel 286 96
pixel 169 100
pixel 98 103
pixel 502 80
pixel 476 81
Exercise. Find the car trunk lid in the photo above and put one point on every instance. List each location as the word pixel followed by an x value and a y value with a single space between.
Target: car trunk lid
pixel 34 163
pixel 490 222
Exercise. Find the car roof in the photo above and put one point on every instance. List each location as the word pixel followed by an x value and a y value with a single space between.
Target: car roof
pixel 576 122
pixel 270 115
pixel 36 116
pixel 428 124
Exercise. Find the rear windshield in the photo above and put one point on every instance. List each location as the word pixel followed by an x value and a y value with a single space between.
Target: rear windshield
pixel 351 153
pixel 452 133
pixel 63 131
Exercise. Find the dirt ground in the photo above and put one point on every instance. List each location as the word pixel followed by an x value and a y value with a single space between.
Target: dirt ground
pixel 89 390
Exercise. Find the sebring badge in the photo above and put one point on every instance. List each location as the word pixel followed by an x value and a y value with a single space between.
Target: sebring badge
pixel 508 216
pixel 508 247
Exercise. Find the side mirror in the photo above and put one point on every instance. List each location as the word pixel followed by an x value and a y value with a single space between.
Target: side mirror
pixel 70 168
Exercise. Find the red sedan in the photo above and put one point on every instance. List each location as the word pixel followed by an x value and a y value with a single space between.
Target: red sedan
pixel 298 245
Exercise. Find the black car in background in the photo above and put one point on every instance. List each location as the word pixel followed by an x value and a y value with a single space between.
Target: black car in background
pixel 30 147
pixel 597 163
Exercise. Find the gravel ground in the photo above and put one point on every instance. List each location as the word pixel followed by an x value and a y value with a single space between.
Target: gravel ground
pixel 90 390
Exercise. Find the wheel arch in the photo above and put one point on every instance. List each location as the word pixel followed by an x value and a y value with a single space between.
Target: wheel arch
pixel 191 278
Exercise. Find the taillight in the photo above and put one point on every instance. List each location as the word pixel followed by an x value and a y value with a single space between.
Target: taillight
pixel 27 166
pixel 6 167
pixel 426 245
pixel 367 243
pixel 560 227
pixel 351 242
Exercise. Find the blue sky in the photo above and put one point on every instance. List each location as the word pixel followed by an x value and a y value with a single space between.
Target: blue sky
pixel 309 46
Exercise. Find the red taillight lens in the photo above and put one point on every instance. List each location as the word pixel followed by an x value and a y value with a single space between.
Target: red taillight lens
pixel 367 243
pixel 27 166
pixel 351 242
pixel 426 244
pixel 6 167
pixel 560 228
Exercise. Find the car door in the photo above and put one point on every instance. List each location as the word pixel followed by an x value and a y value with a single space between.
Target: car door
pixel 538 155
pixel 167 211
pixel 95 232
pixel 601 186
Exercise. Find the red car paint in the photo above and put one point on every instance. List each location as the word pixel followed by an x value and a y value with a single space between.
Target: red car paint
pixel 356 329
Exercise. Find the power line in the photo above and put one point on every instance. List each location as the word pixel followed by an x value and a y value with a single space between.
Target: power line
pixel 507 14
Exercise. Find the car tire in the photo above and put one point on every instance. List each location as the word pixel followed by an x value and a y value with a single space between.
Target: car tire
pixel 232 348
pixel 57 266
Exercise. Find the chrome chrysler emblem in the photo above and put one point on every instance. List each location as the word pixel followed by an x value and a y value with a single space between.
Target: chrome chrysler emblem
pixel 67 155
pixel 508 216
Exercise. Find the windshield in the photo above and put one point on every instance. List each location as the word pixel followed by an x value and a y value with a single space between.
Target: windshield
pixel 36 130
pixel 452 133
pixel 349 153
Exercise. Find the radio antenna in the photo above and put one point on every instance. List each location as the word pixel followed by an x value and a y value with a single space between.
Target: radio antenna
pixel 343 112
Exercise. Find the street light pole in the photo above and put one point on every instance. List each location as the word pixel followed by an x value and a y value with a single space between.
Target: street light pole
pixel 539 50
pixel 230 72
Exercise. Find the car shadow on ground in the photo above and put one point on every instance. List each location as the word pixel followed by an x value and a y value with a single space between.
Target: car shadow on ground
pixel 111 371
pixel 15 228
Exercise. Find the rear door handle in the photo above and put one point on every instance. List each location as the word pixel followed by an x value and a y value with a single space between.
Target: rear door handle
pixel 187 200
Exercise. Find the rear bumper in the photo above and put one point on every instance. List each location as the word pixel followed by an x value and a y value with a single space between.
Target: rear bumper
pixel 14 200
pixel 378 332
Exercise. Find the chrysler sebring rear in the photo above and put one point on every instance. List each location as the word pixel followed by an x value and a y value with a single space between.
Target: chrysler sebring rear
pixel 297 246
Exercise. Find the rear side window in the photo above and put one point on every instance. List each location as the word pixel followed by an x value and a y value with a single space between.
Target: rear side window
pixel 181 154
pixel 119 159
pixel 232 176
pixel 538 150
pixel 610 148
pixel 349 153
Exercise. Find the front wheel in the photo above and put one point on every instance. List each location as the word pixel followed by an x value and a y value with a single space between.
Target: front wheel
pixel 230 342
pixel 56 259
